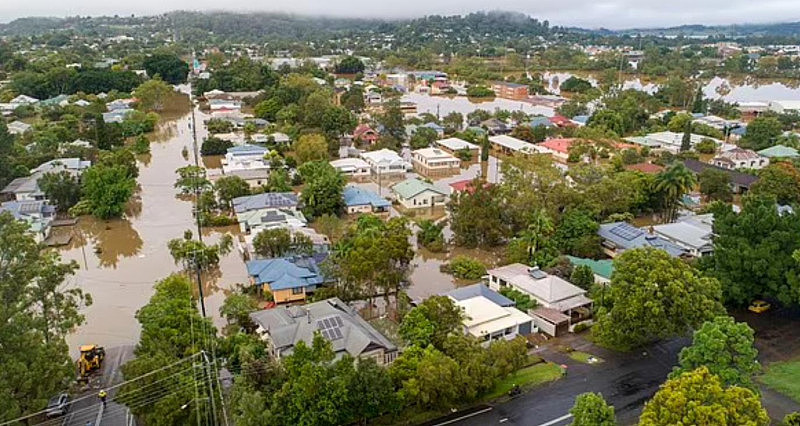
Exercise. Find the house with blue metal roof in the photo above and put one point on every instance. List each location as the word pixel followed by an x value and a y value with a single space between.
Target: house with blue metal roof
pixel 361 200
pixel 289 279
pixel 37 214
pixel 620 236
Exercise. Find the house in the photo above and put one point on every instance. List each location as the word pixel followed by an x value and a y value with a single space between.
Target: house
pixel 779 151
pixel 360 200
pixel 119 104
pixel 561 304
pixel 37 214
pixel 620 236
pixel 433 162
pixel 415 194
pixel 21 100
pixel 18 127
pixel 248 163
pixel 385 163
pixel 60 100
pixel 506 90
pixel 268 210
pixel 466 185
pixel 668 141
pixel 245 153
pixel 740 158
pixel 488 315
pixel 693 233
pixel 289 279
pixel 365 133
pixel 353 167
pixel 280 138
pixel 456 145
pixel 283 328
pixel 561 121
pixel 495 126
pixel 436 128
pixel 602 269
pixel 27 187
pixel 580 120
pixel 224 103
pixel 752 108
pixel 509 145
pixel 559 147
pixel 646 168
pixel 116 116
pixel 540 121
pixel 781 107
pixel 740 182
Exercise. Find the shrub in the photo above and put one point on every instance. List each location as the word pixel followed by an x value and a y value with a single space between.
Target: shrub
pixel 215 146
pixel 466 268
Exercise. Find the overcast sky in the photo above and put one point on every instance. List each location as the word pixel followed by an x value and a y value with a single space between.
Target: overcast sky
pixel 614 14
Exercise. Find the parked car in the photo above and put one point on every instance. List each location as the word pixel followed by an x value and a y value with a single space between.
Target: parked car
pixel 759 306
pixel 58 405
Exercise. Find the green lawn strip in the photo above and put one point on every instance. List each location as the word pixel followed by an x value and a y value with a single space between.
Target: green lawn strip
pixel 584 357
pixel 783 377
pixel 525 378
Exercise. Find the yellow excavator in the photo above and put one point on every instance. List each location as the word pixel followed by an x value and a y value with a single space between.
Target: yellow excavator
pixel 91 359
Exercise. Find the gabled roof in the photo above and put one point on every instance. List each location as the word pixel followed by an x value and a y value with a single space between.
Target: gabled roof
pixel 24 209
pixel 741 179
pixel 338 323
pixel 540 121
pixel 737 154
pixel 602 267
pixel 455 144
pixel 247 150
pixel 626 237
pixel 284 273
pixel 779 151
pixel 543 286
pixel 560 145
pixel 356 196
pixel 410 188
pixel 363 129
pixel 265 200
pixel 476 290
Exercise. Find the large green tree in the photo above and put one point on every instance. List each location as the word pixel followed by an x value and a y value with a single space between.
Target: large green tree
pixel 476 218
pixel 715 185
pixel 152 94
pixel 753 252
pixel 591 409
pixel 107 190
pixel 167 66
pixel 62 189
pixel 761 133
pixel 37 313
pixel 726 348
pixel 672 184
pixel 699 398
pixel 322 193
pixel 779 180
pixel 431 322
pixel 655 296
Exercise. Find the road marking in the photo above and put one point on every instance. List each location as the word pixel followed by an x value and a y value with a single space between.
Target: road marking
pixel 485 410
pixel 558 420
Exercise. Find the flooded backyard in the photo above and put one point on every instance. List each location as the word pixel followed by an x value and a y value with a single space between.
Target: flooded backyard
pixel 120 260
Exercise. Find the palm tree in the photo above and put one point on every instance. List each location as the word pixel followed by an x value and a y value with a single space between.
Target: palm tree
pixel 673 183
pixel 538 231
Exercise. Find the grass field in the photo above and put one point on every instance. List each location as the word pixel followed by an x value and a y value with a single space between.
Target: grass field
pixel 784 377
pixel 584 357
pixel 525 378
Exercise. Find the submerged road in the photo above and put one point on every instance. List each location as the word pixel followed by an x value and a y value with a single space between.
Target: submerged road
pixel 626 381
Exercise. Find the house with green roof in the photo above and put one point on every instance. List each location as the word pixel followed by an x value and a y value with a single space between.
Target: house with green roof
pixel 415 194
pixel 779 151
pixel 602 269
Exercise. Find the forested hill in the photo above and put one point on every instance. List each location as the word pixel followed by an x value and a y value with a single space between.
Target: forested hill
pixel 786 29
pixel 260 26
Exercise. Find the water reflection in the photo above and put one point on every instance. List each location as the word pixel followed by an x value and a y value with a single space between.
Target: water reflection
pixel 443 105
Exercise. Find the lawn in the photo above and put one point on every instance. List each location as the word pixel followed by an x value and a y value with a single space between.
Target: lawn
pixel 784 377
pixel 584 357
pixel 526 378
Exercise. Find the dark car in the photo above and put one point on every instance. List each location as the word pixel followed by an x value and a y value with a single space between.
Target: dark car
pixel 58 405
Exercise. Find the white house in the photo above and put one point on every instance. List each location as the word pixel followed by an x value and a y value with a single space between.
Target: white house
pixel 415 194
pixel 561 304
pixel 488 315
pixel 694 233
pixel 740 158
pixel 18 127
pixel 785 107
pixel 353 167
pixel 510 145
pixel 434 162
pixel 385 162
pixel 668 141
pixel 454 145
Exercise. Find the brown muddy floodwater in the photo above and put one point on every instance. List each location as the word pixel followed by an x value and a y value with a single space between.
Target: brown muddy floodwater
pixel 120 260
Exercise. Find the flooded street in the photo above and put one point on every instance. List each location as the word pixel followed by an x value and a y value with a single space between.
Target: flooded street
pixel 120 260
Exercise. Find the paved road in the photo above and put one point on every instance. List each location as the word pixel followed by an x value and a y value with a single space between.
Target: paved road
pixel 625 380
pixel 85 411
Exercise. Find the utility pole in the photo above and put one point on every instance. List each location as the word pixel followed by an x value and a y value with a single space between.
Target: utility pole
pixel 197 210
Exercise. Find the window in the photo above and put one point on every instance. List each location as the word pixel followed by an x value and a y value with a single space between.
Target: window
pixel 298 290
pixel 509 330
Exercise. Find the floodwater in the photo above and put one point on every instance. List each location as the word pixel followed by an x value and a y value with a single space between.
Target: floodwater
pixel 443 105
pixel 120 260
pixel 729 89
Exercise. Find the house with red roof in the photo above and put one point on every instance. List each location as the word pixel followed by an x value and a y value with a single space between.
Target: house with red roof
pixel 466 185
pixel 365 133
pixel 558 147
pixel 561 121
